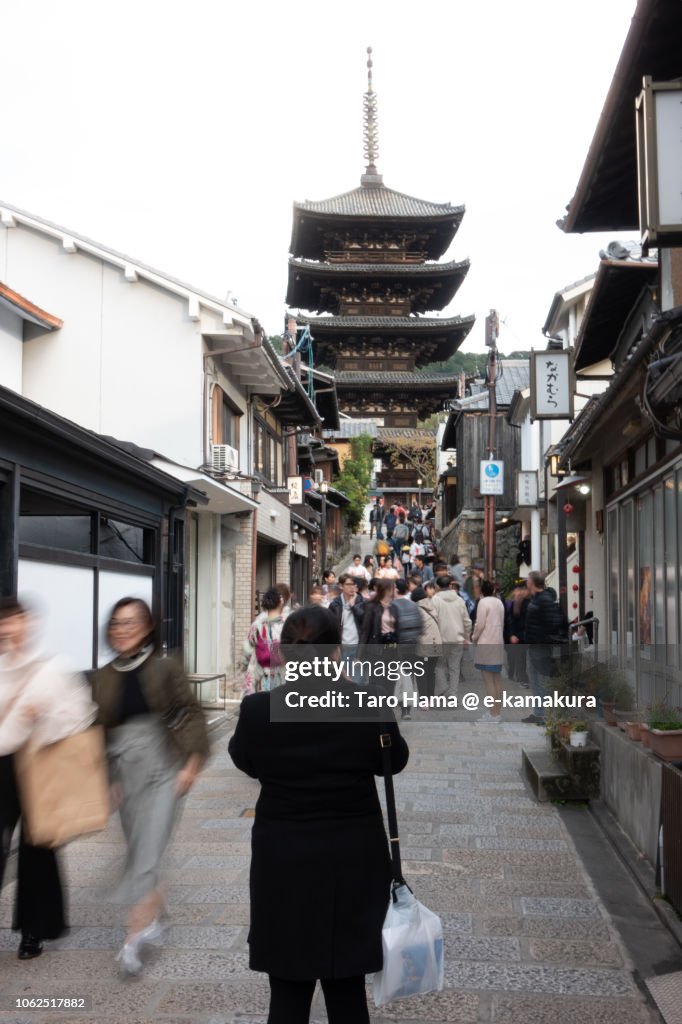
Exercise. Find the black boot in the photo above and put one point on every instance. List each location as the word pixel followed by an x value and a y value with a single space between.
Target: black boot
pixel 29 947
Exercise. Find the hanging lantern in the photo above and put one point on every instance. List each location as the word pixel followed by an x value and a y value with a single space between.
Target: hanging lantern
pixel 576 568
pixel 568 508
pixel 575 587
pixel 575 604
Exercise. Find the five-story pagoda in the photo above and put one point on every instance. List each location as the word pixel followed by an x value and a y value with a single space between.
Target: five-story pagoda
pixel 368 260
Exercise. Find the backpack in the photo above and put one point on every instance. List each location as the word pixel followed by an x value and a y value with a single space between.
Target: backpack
pixel 418 534
pixel 267 654
pixel 408 621
pixel 382 547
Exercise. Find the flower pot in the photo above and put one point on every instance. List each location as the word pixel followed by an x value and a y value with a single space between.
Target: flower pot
pixel 564 730
pixel 579 739
pixel 634 730
pixel 607 707
pixel 666 743
pixel 644 735
pixel 622 718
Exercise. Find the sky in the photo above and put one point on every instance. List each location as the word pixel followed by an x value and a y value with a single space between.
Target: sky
pixel 181 133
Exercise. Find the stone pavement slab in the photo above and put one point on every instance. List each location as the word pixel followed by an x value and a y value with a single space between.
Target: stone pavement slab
pixel 527 940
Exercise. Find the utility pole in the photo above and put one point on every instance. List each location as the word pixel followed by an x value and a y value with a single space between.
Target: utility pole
pixel 492 328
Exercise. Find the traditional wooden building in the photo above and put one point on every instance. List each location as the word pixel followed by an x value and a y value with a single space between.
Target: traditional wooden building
pixel 367 260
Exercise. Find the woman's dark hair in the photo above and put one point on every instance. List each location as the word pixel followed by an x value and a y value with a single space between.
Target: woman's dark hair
pixel 144 611
pixel 368 561
pixel 272 599
pixel 382 587
pixel 487 588
pixel 313 625
pixel 308 633
pixel 9 607
pixel 283 591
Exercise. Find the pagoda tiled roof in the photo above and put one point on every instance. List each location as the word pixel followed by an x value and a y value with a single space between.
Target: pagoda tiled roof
pixel 359 378
pixel 381 269
pixel 353 324
pixel 378 201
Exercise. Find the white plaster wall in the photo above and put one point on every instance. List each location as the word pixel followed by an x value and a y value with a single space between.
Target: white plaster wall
pixel 11 354
pixel 209 571
pixel 277 527
pixel 127 361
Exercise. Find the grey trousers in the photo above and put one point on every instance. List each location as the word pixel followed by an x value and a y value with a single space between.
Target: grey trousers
pixel 145 764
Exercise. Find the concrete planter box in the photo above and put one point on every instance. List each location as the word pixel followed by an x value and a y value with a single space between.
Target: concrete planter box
pixel 630 786
pixel 666 743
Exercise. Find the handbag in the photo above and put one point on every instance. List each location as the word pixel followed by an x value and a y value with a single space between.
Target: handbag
pixel 268 654
pixel 63 788
pixel 412 935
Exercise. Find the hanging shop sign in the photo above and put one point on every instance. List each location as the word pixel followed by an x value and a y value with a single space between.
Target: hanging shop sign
pixel 492 477
pixel 551 385
pixel 527 488
pixel 659 160
pixel 295 485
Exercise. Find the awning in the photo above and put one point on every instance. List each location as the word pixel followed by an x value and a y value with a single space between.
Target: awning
pixel 222 499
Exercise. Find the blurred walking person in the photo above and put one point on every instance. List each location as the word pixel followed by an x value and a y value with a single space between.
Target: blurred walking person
pixel 157 744
pixel 41 702
pixel 260 658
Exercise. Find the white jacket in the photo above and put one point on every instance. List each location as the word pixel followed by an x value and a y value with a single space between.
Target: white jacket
pixel 60 698
pixel 453 618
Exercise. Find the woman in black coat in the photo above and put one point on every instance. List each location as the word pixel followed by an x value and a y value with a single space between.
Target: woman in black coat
pixel 320 867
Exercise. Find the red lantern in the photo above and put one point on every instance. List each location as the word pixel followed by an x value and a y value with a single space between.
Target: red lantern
pixel 575 587
pixel 575 605
pixel 576 568
pixel 568 508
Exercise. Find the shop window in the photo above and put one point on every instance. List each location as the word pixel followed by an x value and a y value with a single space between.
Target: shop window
pixel 52 523
pixel 124 541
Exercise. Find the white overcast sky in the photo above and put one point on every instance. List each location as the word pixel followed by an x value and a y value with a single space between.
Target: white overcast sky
pixel 180 133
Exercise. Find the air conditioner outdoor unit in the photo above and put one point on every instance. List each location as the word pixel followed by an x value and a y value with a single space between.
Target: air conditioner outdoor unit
pixel 224 458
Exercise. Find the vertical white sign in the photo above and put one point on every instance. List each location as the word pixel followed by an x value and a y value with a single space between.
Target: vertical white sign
pixel 551 385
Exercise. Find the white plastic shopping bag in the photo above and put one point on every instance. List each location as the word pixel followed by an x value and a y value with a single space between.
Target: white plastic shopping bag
pixel 413 950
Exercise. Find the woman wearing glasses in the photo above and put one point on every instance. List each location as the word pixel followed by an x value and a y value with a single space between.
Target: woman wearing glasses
pixel 157 744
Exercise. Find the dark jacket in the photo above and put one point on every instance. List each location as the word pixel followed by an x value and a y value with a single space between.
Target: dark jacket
pixel 167 692
pixel 320 867
pixel 371 622
pixel 515 625
pixel 545 621
pixel 358 610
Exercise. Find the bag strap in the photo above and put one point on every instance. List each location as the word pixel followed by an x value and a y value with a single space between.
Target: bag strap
pixel 394 840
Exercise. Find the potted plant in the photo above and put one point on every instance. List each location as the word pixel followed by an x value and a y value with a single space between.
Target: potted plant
pixel 665 731
pixel 634 730
pixel 644 735
pixel 579 734
pixel 612 691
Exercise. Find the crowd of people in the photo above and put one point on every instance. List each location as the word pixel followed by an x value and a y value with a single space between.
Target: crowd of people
pixel 321 831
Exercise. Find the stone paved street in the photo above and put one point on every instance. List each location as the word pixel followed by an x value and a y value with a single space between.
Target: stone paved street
pixel 526 939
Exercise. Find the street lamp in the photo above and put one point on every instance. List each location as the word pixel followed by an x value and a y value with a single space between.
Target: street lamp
pixel 419 485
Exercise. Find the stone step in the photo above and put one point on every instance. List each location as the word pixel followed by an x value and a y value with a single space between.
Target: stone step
pixel 551 780
pixel 545 774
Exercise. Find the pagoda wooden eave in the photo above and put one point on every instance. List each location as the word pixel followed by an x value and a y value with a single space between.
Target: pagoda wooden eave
pixel 316 286
pixel 437 339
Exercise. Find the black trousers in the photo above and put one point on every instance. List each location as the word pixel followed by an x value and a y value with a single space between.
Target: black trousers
pixel 345 999
pixel 516 662
pixel 39 905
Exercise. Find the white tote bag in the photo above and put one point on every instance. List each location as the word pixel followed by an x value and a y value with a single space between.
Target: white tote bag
pixel 412 939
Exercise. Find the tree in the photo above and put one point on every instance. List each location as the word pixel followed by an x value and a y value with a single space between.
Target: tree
pixel 415 453
pixel 355 479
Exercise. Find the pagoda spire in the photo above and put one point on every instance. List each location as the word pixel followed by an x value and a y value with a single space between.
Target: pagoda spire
pixel 370 129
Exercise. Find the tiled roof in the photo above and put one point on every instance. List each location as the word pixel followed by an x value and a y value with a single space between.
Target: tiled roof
pixel 360 378
pixel 515 377
pixel 380 269
pixel 28 310
pixel 378 323
pixel 409 433
pixel 353 428
pixel 379 201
